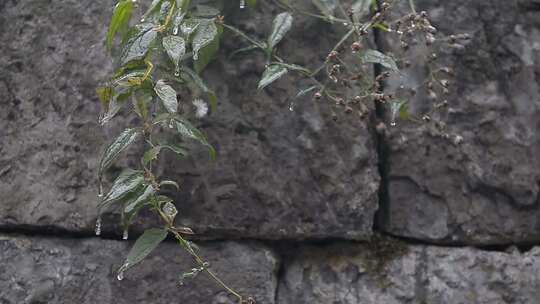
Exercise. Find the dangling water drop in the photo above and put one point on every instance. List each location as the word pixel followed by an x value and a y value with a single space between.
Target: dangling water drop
pixel 171 124
pixel 120 275
pixel 177 71
pixel 242 4
pixel 393 123
pixel 175 31
pixel 98 226
pixel 125 235
pixel 291 106
pixel 100 191
pixel 206 264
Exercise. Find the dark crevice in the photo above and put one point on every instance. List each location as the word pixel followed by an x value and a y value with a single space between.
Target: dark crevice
pixel 285 249
pixel 382 146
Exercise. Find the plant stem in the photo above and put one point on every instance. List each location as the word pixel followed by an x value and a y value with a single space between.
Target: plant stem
pixel 411 4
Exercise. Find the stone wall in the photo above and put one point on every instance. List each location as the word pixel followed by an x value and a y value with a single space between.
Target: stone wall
pixel 297 208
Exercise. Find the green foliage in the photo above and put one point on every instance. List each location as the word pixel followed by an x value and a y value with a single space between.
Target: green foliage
pixel 144 245
pixel 159 65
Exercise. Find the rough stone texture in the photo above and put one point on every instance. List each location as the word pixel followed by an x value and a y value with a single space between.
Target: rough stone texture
pixel 399 274
pixel 50 270
pixel 486 189
pixel 279 174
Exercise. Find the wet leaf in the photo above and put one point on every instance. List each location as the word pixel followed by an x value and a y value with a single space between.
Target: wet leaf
pixel 175 48
pixel 204 35
pixel 280 26
pixel 305 91
pixel 186 129
pixel 127 182
pixel 179 150
pixel 112 152
pixel 271 74
pixel 373 56
pixel 207 52
pixel 151 155
pixel 167 95
pixel 144 245
pixel 142 197
pixel 137 46
pixel 119 20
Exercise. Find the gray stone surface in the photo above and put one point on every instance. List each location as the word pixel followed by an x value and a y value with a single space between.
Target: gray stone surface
pixel 477 181
pixel 393 273
pixel 279 174
pixel 50 270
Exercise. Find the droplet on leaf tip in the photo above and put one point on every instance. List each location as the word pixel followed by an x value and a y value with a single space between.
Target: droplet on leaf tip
pixel 98 226
pixel 125 235
pixel 242 4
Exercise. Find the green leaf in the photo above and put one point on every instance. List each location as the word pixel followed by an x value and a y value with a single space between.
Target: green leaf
pixel 125 138
pixel 179 150
pixel 140 199
pixel 141 100
pixel 104 95
pixel 242 50
pixel 373 56
pixel 175 48
pixel 127 182
pixel 360 9
pixel 137 46
pixel 119 20
pixel 294 67
pixel 167 95
pixel 169 183
pixel 189 26
pixel 186 129
pixel 206 53
pixel 398 108
pixel 151 155
pixel 154 6
pixel 205 33
pixel 271 74
pixel 251 3
pixel 327 7
pixel 144 245
pixel 280 26
pixel 305 91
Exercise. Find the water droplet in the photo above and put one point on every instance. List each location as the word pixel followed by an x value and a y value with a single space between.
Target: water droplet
pixel 181 282
pixel 291 106
pixel 393 123
pixel 125 235
pixel 177 71
pixel 120 275
pixel 242 4
pixel 100 191
pixel 171 124
pixel 98 225
pixel 142 19
pixel 175 31
pixel 345 23
pixel 206 264
pixel 196 56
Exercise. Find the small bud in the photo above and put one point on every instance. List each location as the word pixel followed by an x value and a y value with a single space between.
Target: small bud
pixel 356 46
pixel 332 55
pixel 348 110
pixel 317 95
